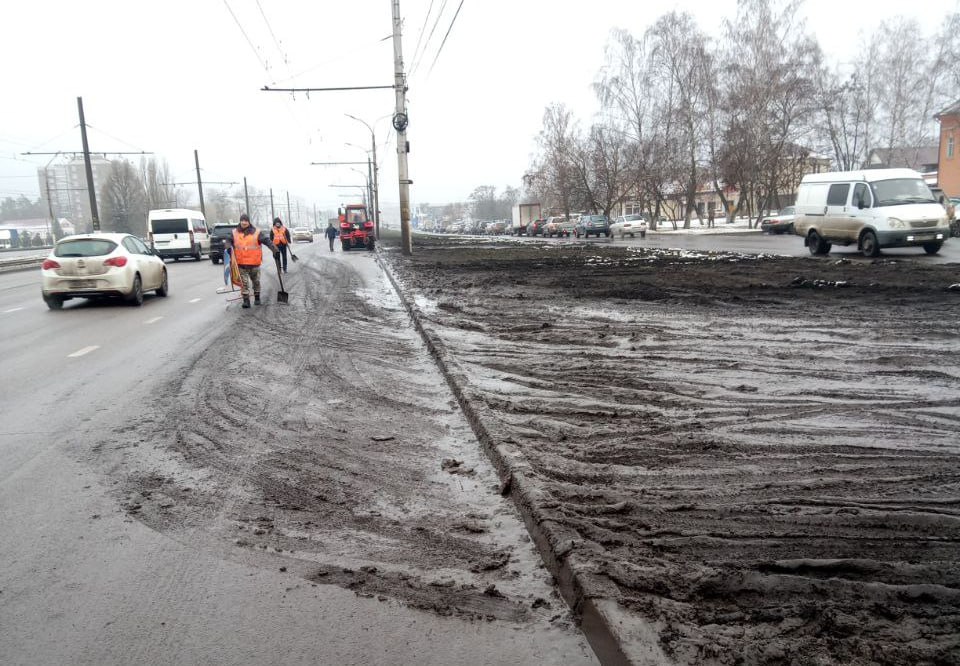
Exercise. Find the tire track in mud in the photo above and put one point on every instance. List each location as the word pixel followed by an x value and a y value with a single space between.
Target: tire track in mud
pixel 768 475
pixel 312 436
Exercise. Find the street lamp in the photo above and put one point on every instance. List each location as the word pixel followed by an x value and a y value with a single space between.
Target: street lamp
pixel 376 168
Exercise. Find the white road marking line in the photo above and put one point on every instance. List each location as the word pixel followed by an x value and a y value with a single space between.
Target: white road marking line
pixel 85 350
pixel 153 320
pixel 196 300
pixel 11 310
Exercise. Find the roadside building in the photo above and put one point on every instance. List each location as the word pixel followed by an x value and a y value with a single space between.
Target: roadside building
pixel 948 169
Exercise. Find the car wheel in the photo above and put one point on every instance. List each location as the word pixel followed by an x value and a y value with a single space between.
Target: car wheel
pixel 214 260
pixel 869 245
pixel 53 302
pixel 196 253
pixel 815 243
pixel 136 295
pixel 164 288
pixel 932 248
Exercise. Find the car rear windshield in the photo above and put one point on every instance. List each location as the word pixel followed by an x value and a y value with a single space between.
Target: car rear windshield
pixel 87 247
pixel 633 218
pixel 170 226
pixel 223 232
pixel 594 218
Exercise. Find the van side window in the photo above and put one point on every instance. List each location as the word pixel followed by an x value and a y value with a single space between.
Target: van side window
pixel 861 193
pixel 837 196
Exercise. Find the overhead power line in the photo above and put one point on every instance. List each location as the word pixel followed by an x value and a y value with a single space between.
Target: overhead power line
pixel 247 37
pixel 445 36
pixel 416 65
pixel 423 29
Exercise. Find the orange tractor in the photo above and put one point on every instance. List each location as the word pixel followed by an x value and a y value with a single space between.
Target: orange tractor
pixel 356 229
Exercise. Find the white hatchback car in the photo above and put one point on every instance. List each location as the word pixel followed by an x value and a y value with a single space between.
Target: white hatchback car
pixel 102 264
pixel 302 234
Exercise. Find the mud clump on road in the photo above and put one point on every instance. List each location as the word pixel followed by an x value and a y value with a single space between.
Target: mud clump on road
pixel 759 455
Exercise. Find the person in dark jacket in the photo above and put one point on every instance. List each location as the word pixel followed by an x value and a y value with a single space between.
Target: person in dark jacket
pixel 245 244
pixel 331 233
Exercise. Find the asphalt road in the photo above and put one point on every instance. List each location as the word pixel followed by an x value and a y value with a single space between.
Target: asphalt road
pixel 84 582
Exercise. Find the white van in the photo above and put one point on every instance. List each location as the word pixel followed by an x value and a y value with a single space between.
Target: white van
pixel 874 208
pixel 178 232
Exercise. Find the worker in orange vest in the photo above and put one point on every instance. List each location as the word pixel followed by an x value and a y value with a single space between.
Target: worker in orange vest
pixel 246 243
pixel 281 239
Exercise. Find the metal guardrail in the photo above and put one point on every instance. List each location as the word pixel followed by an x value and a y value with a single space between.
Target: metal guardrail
pixel 20 263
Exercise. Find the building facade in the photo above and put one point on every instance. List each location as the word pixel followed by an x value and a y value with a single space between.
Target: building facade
pixel 948 171
pixel 66 186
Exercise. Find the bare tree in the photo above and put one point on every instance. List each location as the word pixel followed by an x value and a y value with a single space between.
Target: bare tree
pixel 769 65
pixel 553 177
pixel 123 203
pixel 159 192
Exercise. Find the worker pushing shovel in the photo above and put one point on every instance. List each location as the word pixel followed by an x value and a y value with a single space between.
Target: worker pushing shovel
pixel 246 245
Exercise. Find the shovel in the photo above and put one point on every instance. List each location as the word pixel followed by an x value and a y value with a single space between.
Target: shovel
pixel 282 296
pixel 292 255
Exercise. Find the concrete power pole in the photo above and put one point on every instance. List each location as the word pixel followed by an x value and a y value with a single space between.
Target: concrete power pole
pixel 246 196
pixel 196 160
pixel 273 214
pixel 91 188
pixel 400 125
pixel 288 207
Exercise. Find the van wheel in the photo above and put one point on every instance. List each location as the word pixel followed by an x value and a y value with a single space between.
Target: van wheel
pixel 932 248
pixel 816 244
pixel 869 245
pixel 196 253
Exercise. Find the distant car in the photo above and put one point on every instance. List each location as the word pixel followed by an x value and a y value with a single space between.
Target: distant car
pixel 535 228
pixel 302 234
pixel 567 227
pixel 552 226
pixel 218 234
pixel 592 225
pixel 779 223
pixel 629 225
pixel 92 265
pixel 496 228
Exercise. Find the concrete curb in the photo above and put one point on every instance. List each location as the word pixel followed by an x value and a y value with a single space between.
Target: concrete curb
pixel 617 637
pixel 26 263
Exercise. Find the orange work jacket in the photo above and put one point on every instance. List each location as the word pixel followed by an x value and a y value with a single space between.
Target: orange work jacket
pixel 247 248
pixel 280 236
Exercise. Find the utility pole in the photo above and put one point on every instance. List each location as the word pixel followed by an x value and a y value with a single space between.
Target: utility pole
pixel 91 188
pixel 400 125
pixel 370 189
pixel 273 214
pixel 288 207
pixel 246 195
pixel 376 188
pixel 315 227
pixel 196 160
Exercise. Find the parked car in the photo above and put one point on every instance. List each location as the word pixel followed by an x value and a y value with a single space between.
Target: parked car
pixel 629 225
pixel 302 234
pixel 552 226
pixel 779 223
pixel 567 227
pixel 101 264
pixel 218 234
pixel 592 225
pixel 178 232
pixel 535 228
pixel 497 227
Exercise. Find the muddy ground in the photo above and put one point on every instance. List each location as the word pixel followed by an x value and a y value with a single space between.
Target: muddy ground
pixel 320 439
pixel 761 455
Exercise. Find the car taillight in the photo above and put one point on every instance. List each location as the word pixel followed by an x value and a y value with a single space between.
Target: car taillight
pixel 191 237
pixel 119 262
pixel 49 264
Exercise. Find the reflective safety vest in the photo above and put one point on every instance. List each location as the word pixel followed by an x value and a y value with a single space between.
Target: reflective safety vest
pixel 247 248
pixel 280 235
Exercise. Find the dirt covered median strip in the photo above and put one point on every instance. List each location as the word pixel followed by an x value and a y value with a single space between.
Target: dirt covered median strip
pixel 757 457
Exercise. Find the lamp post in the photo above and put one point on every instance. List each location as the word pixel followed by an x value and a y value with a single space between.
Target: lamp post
pixel 376 168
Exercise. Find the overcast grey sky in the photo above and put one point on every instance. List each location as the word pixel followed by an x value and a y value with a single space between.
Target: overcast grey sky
pixel 179 75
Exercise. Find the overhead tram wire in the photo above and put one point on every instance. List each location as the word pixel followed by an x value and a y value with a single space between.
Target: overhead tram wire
pixel 423 29
pixel 454 20
pixel 247 37
pixel 416 65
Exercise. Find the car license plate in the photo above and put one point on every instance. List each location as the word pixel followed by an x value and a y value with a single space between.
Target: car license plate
pixel 83 284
